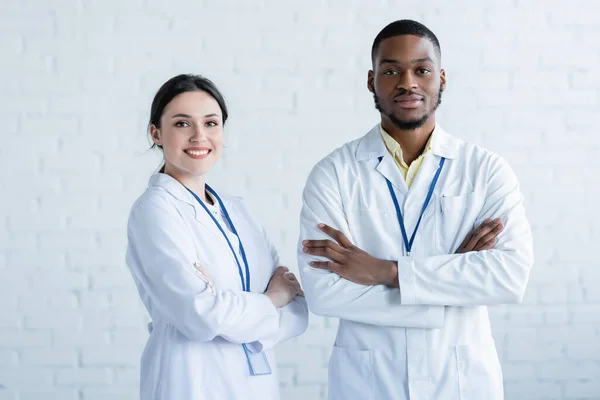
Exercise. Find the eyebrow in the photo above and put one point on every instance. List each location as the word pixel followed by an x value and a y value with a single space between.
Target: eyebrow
pixel 415 61
pixel 189 116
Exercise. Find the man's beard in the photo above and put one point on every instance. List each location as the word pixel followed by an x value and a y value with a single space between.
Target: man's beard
pixel 409 125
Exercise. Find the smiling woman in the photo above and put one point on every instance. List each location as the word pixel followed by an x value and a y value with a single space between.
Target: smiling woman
pixel 186 122
pixel 204 268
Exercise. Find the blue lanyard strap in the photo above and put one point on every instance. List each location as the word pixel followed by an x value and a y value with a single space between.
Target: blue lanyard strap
pixel 246 282
pixel 409 243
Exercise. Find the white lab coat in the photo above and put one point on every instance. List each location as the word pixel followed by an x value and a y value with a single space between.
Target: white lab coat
pixel 194 350
pixel 430 339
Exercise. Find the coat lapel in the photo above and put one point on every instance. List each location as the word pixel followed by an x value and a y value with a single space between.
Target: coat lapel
pixel 177 190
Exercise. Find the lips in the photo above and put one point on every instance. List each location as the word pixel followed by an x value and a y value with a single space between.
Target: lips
pixel 410 101
pixel 198 152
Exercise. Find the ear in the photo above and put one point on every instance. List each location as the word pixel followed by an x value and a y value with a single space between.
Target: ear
pixel 442 80
pixel 371 81
pixel 155 135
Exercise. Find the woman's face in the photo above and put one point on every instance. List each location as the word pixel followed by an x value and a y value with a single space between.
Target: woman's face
pixel 190 134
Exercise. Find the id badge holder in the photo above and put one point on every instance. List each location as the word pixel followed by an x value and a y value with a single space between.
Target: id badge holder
pixel 257 362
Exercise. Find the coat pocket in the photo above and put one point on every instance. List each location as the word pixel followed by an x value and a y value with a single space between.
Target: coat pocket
pixel 350 374
pixel 455 216
pixel 479 373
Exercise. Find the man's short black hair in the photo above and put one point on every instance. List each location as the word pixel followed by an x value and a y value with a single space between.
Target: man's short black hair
pixel 405 27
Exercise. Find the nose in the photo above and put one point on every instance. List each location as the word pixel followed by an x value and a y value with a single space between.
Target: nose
pixel 199 134
pixel 406 81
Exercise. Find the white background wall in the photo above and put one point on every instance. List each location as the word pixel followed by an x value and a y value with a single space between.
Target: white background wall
pixel 76 81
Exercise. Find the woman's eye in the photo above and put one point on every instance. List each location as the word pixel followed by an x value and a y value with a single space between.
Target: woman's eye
pixel 181 124
pixel 211 124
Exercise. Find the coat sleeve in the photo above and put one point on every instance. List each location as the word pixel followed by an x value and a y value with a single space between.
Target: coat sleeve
pixel 161 254
pixel 330 295
pixel 293 318
pixel 486 277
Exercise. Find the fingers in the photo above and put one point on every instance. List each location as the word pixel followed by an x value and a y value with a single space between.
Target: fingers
pixel 295 284
pixel 480 232
pixel 487 246
pixel 326 265
pixel 338 236
pixel 463 246
pixel 281 270
pixel 483 243
pixel 322 243
pixel 290 276
pixel 327 252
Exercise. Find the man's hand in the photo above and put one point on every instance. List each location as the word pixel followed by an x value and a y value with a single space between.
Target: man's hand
pixel 350 262
pixel 482 237
pixel 356 265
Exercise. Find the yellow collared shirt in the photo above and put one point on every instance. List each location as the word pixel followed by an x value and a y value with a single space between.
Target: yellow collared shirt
pixel 408 172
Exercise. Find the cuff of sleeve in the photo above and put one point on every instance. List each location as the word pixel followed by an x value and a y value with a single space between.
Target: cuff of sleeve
pixel 268 342
pixel 406 281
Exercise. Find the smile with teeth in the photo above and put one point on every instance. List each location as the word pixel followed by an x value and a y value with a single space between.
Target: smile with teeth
pixel 197 152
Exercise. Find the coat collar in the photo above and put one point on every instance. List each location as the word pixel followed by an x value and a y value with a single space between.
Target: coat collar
pixel 372 145
pixel 173 186
pixel 180 192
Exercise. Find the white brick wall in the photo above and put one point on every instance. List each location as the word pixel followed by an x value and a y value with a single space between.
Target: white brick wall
pixel 77 79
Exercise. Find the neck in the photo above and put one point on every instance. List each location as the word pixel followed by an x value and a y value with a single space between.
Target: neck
pixel 195 183
pixel 412 142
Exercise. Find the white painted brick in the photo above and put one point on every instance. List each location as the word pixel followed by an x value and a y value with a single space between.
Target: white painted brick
pixel 9 319
pixel 94 300
pixel 87 377
pixel 22 377
pixel 589 314
pixel 525 316
pixel 85 339
pixel 65 321
pixel 553 294
pixel 303 392
pixel 17 241
pixel 60 280
pixel 519 372
pixel 126 377
pixel 8 357
pixel 586 390
pixel 126 300
pixel 287 375
pixel 28 23
pixel 22 339
pixel 310 373
pixel 526 349
pixel 36 222
pixel 558 315
pixel 7 395
pixel 27 63
pixel 110 355
pixel 97 320
pixel 11 46
pixel 114 278
pixel 533 390
pixel 49 357
pixel 27 261
pixel 62 394
pixel 96 260
pixel 68 240
pixel 569 370
pixel 116 394
pixel 584 351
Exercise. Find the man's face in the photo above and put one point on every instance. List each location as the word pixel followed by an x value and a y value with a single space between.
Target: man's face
pixel 406 80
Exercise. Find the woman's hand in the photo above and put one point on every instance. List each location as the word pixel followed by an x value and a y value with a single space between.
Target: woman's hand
pixel 283 287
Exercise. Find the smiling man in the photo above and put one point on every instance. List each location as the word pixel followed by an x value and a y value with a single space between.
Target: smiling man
pixel 407 235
